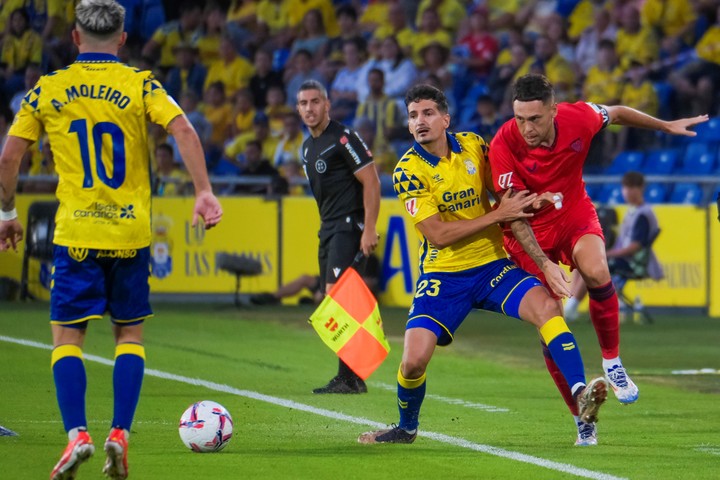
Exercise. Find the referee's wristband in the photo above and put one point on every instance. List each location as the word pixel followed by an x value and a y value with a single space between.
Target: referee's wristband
pixel 7 216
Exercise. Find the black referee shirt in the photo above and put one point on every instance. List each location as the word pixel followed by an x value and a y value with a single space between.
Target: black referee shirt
pixel 330 162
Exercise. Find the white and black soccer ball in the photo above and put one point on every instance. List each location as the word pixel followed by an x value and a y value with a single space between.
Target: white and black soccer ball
pixel 205 427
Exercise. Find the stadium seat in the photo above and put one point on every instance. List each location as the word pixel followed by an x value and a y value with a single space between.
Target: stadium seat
pixel 626 161
pixel 592 189
pixel 687 193
pixel 702 164
pixel 655 193
pixel 610 194
pixel 660 162
pixel 709 131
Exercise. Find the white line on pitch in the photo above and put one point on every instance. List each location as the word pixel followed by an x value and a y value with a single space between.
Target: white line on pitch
pixel 451 401
pixel 440 437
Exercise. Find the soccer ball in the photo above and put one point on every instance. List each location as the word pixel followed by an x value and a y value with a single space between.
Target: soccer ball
pixel 206 426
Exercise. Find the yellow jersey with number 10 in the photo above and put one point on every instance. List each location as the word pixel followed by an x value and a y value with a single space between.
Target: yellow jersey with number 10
pixel 454 188
pixel 95 112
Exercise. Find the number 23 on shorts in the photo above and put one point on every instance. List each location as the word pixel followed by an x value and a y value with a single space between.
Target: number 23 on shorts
pixel 431 288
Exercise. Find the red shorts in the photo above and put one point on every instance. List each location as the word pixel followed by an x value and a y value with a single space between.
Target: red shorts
pixel 557 240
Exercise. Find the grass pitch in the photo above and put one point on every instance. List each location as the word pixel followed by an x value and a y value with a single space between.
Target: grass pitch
pixel 492 411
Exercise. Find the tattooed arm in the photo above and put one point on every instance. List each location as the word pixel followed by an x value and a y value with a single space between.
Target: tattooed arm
pixel 554 275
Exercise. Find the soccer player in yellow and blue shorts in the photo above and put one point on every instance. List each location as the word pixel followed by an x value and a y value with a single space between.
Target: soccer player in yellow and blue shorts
pixel 95 112
pixel 442 183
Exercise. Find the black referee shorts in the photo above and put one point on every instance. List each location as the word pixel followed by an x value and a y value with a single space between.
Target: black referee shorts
pixel 339 244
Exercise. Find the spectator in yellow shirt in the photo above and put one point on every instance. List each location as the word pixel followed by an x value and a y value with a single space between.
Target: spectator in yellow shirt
pixel 277 109
pixel 21 47
pixel 232 70
pixel 669 18
pixel 260 132
pixel 208 43
pixel 547 61
pixel 635 42
pixel 296 10
pixel 698 82
pixel 244 112
pixel 639 93
pixel 603 83
pixel 397 27
pixel 171 33
pixel 430 31
pixel 219 113
pixel 376 15
pixel 451 13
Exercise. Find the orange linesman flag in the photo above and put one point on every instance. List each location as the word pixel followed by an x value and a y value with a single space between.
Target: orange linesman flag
pixel 348 321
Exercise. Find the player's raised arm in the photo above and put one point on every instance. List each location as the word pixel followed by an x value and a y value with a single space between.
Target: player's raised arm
pixel 622 115
pixel 11 230
pixel 207 205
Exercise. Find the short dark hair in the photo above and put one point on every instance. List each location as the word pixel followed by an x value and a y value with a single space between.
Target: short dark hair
pixel 533 87
pixel 348 11
pixel 633 179
pixel 427 92
pixel 313 85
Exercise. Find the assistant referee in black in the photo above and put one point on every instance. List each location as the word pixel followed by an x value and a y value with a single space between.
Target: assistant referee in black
pixel 346 186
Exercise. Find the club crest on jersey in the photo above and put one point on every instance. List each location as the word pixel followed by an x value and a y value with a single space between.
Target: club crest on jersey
pixel 320 166
pixel 77 253
pixel 577 145
pixel 470 167
pixel 411 206
pixel 505 180
pixel 343 139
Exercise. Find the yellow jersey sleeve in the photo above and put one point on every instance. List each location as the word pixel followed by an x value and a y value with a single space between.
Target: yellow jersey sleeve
pixel 26 124
pixel 160 107
pixel 418 201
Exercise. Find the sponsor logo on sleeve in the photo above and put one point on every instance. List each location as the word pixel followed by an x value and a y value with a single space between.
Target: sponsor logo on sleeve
pixel 505 180
pixel 411 206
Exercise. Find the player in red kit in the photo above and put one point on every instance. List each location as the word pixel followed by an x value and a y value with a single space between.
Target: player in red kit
pixel 543 149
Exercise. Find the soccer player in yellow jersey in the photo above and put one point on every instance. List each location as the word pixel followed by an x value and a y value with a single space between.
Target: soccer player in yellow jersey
pixel 442 183
pixel 95 112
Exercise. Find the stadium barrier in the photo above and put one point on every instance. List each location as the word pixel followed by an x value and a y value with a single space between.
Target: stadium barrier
pixel 281 233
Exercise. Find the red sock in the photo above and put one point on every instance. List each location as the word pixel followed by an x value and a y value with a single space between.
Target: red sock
pixel 604 315
pixel 559 380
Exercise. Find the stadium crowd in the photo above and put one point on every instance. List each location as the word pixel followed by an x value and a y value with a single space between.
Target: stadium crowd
pixel 235 68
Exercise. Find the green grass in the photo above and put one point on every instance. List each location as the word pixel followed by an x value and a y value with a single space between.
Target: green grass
pixel 670 433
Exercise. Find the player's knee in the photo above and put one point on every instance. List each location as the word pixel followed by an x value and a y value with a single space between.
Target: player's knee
pixel 596 275
pixel 412 368
pixel 545 308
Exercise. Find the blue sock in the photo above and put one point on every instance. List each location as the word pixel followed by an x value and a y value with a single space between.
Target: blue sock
pixel 411 393
pixel 70 385
pixel 563 348
pixel 127 381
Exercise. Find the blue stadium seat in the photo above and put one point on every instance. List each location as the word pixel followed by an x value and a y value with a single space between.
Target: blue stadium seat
pixel 593 190
pixel 655 193
pixel 610 194
pixel 626 161
pixel 687 193
pixel 660 162
pixel 703 164
pixel 709 131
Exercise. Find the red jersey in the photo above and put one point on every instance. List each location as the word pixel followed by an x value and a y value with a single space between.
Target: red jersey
pixel 557 168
